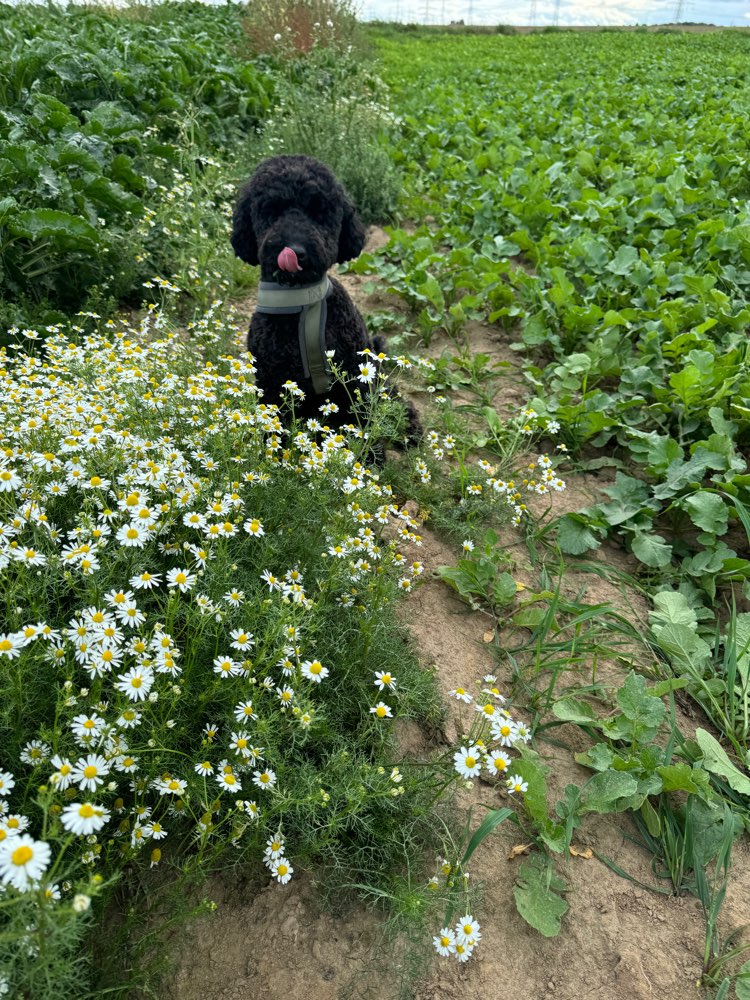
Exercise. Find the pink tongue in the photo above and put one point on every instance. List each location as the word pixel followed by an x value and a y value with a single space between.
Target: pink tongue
pixel 287 260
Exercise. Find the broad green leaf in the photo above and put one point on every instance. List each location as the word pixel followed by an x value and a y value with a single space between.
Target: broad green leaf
pixel 574 535
pixel 536 895
pixel 742 982
pixel 707 511
pixel 716 761
pixel 683 778
pixel 651 549
pixel 672 607
pixel 601 792
pixel 637 704
pixel 572 709
pixel 68 232
pixel 681 643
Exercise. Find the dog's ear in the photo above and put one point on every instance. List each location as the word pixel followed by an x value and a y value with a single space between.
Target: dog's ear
pixel 244 241
pixel 352 235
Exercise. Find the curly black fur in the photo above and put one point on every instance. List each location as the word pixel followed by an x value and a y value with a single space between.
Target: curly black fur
pixel 295 201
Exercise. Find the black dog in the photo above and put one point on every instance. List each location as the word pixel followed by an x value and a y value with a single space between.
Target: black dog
pixel 295 220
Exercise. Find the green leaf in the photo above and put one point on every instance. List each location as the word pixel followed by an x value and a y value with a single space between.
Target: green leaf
pixel 574 535
pixel 742 983
pixel 651 550
pixel 707 511
pixel 623 261
pixel 65 231
pixel 640 707
pixel 536 895
pixel 673 607
pixel 601 792
pixel 683 778
pixel 572 709
pixel 504 589
pixel 716 761
pixel 682 644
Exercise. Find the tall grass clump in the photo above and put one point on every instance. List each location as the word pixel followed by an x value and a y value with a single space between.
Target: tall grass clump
pixel 200 663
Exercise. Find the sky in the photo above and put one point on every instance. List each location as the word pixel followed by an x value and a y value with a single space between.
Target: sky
pixel 604 12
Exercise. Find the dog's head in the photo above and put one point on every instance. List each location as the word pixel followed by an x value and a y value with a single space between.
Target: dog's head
pixel 294 219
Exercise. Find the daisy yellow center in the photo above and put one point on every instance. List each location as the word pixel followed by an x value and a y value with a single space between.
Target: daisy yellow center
pixel 282 869
pixel 108 656
pixel 229 779
pixel 471 762
pixel 86 811
pixel 13 823
pixel 136 682
pixel 129 715
pixel 248 710
pixel 29 631
pixel 386 678
pixel 460 691
pixel 241 744
pixel 265 778
pixel 89 724
pixel 489 709
pixel 505 730
pixel 206 765
pixel 65 769
pixel 90 771
pixel 131 533
pixel 95 481
pixel 22 855
pixel 444 941
pixel 5 645
pixel 128 762
pixel 315 667
pixel 380 711
pixel 181 578
pixel 467 928
pixel 173 785
pixel 500 764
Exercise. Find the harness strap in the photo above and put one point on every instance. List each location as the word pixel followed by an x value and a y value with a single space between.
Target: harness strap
pixel 310 302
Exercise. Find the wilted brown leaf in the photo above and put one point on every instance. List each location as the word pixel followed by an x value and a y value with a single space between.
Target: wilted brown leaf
pixel 586 853
pixel 519 849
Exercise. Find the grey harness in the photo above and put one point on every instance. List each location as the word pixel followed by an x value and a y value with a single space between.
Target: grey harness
pixel 310 302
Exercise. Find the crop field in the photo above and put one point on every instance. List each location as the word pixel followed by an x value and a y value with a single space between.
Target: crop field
pixel 278 721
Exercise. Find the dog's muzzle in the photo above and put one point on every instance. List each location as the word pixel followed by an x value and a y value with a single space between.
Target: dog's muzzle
pixel 310 302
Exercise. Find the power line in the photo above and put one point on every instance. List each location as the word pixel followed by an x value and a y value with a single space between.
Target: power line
pixel 556 17
pixel 532 13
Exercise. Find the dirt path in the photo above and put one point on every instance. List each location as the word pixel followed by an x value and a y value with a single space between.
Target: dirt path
pixel 618 942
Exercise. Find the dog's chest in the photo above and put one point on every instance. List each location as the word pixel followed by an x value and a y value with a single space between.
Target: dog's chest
pixel 274 342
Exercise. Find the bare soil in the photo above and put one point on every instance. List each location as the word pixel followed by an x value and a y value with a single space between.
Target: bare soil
pixel 618 941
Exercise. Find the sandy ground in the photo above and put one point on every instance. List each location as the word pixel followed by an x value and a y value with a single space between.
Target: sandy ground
pixel 618 941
